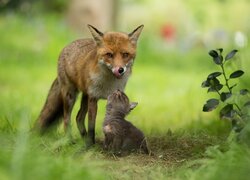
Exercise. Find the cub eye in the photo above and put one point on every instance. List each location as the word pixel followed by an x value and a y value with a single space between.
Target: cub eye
pixel 125 55
pixel 109 55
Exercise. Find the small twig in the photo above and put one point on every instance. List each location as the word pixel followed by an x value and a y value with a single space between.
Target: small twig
pixel 218 92
pixel 238 108
pixel 225 77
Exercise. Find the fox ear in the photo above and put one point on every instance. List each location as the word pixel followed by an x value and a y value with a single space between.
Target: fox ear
pixel 97 35
pixel 133 36
pixel 133 105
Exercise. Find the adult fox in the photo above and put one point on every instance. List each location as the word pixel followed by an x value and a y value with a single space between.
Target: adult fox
pixel 96 67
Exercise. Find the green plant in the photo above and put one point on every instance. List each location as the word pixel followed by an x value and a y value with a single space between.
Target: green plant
pixel 236 106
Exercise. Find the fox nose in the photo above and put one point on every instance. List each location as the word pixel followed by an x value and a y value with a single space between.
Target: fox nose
pixel 120 70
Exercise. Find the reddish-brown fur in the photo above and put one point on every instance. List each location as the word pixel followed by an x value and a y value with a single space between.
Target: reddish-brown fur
pixel 96 67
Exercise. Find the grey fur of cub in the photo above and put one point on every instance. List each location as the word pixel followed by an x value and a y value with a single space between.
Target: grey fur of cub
pixel 120 134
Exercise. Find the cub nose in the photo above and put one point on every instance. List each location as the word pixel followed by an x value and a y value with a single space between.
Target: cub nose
pixel 117 92
pixel 121 70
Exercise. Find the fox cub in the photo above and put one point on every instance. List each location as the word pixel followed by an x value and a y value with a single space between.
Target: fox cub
pixel 121 135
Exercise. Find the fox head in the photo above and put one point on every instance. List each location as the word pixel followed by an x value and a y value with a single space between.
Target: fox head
pixel 116 50
pixel 118 103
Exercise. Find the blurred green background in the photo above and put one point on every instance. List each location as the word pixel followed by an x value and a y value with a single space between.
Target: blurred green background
pixel 172 61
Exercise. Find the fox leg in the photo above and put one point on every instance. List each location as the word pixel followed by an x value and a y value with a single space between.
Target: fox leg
pixel 92 111
pixel 80 118
pixel 69 97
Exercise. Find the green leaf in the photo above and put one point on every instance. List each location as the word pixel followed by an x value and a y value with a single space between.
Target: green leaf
pixel 215 85
pixel 216 57
pixel 224 96
pixel 210 105
pixel 247 104
pixel 213 53
pixel 214 75
pixel 231 54
pixel 215 88
pixel 232 86
pixel 211 89
pixel 205 84
pixel 214 81
pixel 244 91
pixel 227 112
pixel 236 126
pixel 236 74
pixel 220 49
pixel 218 60
pixel 218 87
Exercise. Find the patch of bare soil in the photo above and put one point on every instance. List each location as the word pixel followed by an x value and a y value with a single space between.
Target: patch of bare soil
pixel 170 149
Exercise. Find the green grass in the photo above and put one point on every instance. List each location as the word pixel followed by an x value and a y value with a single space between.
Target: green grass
pixel 167 86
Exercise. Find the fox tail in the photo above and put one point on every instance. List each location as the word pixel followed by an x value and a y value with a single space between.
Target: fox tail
pixel 52 110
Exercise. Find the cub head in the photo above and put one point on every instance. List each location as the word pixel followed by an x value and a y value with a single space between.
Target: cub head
pixel 118 102
pixel 116 50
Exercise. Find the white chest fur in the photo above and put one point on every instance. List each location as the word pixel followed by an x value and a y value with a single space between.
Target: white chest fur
pixel 105 83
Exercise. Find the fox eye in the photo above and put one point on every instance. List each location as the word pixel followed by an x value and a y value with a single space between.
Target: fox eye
pixel 125 55
pixel 109 55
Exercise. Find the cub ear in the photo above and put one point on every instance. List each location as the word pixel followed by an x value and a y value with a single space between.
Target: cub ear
pixel 133 36
pixel 97 35
pixel 133 105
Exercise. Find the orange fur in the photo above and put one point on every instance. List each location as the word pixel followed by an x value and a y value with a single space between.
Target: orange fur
pixel 96 67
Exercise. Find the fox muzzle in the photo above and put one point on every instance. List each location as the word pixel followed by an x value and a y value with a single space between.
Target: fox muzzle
pixel 119 71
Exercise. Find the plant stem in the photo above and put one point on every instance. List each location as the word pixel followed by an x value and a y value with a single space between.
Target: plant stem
pixel 238 109
pixel 230 90
pixel 218 92
pixel 225 77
